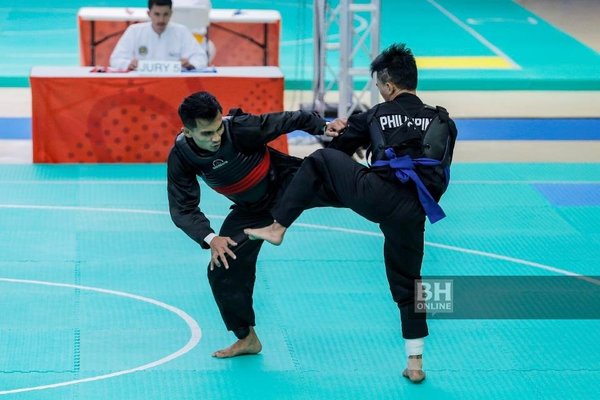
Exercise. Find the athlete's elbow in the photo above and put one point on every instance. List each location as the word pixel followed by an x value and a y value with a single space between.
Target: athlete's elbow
pixel 178 217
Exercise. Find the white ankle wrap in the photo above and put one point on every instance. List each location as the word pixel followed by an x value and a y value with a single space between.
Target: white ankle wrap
pixel 414 347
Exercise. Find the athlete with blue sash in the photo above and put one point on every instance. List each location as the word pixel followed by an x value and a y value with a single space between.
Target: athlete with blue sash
pixel 410 145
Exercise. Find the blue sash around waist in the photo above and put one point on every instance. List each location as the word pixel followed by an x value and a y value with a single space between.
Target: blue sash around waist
pixel 404 168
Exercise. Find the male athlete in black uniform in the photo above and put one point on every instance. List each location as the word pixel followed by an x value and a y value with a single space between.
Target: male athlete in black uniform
pixel 231 155
pixel 401 187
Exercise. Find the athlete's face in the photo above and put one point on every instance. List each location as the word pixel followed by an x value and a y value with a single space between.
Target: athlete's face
pixel 207 133
pixel 159 16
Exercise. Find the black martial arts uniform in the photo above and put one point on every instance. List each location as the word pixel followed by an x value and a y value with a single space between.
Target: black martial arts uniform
pixel 252 176
pixel 376 193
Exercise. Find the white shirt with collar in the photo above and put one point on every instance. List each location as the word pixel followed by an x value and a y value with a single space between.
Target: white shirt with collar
pixel 140 41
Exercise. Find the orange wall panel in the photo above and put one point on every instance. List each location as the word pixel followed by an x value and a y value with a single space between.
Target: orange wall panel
pixel 97 120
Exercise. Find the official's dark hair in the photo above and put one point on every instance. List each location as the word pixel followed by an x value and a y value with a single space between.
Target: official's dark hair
pixel 396 64
pixel 200 105
pixel 159 3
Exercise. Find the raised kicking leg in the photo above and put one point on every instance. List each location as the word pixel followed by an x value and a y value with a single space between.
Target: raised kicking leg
pixel 273 233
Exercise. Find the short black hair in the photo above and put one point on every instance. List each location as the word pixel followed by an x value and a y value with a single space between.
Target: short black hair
pixel 160 3
pixel 398 65
pixel 200 105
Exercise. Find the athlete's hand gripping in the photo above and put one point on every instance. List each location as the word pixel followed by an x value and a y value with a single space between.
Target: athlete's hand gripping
pixel 219 249
pixel 336 127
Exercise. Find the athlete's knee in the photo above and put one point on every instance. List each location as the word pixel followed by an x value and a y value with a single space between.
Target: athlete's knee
pixel 218 276
pixel 323 159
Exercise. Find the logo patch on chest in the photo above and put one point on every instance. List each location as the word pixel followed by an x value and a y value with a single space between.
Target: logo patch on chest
pixel 218 163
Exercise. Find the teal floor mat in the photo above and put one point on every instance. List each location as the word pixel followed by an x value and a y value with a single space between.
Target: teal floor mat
pixel 100 294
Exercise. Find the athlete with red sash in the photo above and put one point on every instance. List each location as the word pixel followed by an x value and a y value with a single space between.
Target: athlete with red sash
pixel 230 154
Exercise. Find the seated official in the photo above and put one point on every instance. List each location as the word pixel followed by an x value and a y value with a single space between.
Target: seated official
pixel 158 40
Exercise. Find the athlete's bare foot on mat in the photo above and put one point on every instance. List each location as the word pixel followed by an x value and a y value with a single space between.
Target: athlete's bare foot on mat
pixel 272 233
pixel 248 345
pixel 414 369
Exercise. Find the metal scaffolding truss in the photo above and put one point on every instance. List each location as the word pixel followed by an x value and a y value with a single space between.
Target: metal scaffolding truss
pixel 358 27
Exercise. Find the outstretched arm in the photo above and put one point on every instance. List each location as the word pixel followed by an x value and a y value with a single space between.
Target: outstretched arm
pixel 253 131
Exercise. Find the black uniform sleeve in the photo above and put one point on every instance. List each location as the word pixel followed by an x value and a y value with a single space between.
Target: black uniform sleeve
pixel 253 131
pixel 184 198
pixel 354 136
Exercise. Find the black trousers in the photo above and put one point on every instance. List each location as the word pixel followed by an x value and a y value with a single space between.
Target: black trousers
pixel 233 288
pixel 391 204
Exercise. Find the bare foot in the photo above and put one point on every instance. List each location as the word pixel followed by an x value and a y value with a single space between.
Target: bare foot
pixel 414 369
pixel 248 345
pixel 272 233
